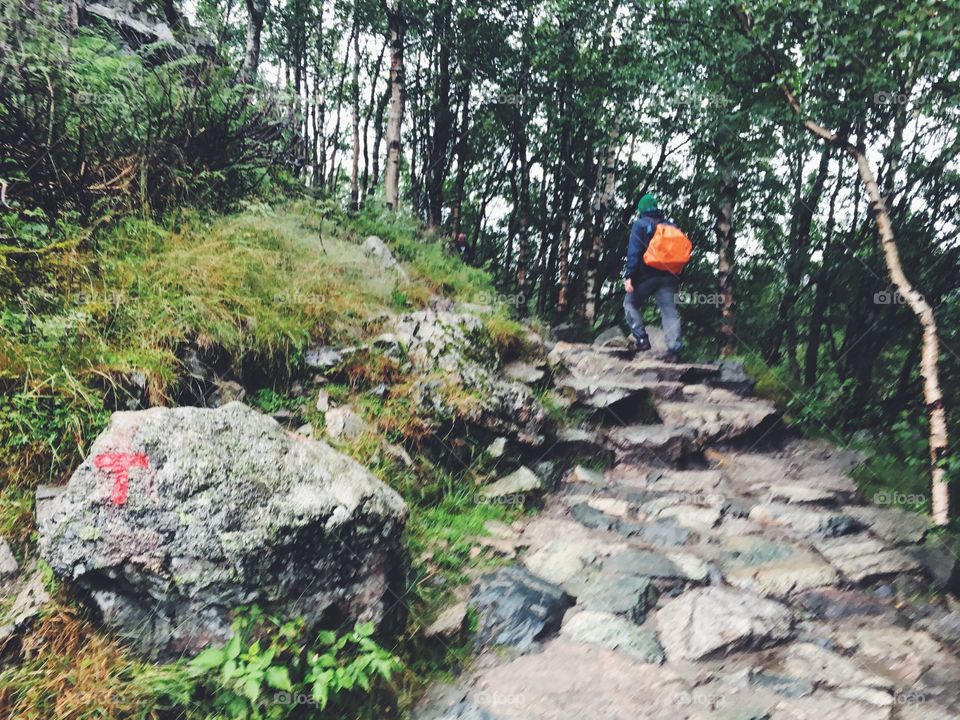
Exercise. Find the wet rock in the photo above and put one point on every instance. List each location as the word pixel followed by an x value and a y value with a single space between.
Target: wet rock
pixel 8 563
pixel 834 604
pixel 580 474
pixel 805 521
pixel 497 448
pixel 344 424
pixel 800 493
pixel 522 481
pixel 644 563
pixel 891 524
pixel 169 524
pixel 523 372
pixel 662 444
pixel 614 633
pixel 27 605
pixel 450 623
pixel 323 357
pixel 591 517
pixel 558 561
pixel 226 391
pixel 774 569
pixel 716 422
pixel 611 592
pixel 517 609
pixel 814 664
pixel 376 249
pixel 323 401
pixel 458 345
pixel 861 557
pixel 567 332
pixel 579 680
pixel 733 377
pixel 657 533
pixel 706 621
pixel 939 563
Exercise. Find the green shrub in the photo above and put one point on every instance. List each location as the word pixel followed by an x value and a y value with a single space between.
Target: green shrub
pixel 266 670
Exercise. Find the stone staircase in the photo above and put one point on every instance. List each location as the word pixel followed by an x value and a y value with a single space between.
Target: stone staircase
pixel 719 569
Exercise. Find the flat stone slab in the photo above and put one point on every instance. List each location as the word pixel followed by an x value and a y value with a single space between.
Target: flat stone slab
pixel 804 520
pixel 578 680
pixel 655 533
pixel 558 561
pixel 834 604
pixel 521 481
pixel 891 524
pixel 643 563
pixel 707 621
pixel 719 421
pixel 614 633
pixel 817 665
pixel 800 492
pixel 664 444
pixel 609 592
pixel 774 569
pixel 861 557
pixel 517 609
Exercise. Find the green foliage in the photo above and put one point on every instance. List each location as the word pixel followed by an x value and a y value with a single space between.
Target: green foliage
pixel 270 401
pixel 267 671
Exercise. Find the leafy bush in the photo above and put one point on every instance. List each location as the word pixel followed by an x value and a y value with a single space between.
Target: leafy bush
pixel 267 671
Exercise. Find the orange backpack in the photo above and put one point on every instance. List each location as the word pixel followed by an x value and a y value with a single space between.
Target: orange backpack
pixel 669 249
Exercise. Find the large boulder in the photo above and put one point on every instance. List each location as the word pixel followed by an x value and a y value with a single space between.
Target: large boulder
pixel 458 364
pixel 177 516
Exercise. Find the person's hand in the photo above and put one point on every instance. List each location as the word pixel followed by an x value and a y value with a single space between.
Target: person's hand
pixel 628 285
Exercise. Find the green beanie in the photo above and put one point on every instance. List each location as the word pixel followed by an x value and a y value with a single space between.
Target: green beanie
pixel 647 202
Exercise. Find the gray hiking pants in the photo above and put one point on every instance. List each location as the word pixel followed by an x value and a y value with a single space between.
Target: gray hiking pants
pixel 664 291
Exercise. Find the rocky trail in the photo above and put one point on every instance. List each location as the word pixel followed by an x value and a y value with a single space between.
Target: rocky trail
pixel 718 569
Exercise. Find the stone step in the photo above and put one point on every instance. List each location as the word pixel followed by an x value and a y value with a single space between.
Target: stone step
pixel 583 361
pixel 718 422
pixel 657 444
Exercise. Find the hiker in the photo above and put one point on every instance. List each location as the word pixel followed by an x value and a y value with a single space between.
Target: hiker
pixel 656 254
pixel 461 248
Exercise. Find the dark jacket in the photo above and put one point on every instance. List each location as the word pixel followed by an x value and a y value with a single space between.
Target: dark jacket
pixel 640 234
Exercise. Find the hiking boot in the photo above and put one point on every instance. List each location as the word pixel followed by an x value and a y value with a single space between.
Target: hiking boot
pixel 671 356
pixel 641 344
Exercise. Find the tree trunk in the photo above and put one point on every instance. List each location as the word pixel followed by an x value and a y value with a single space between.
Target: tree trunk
pixel 256 11
pixel 355 96
pixel 463 153
pixel 436 169
pixel 599 220
pixel 821 300
pixel 374 77
pixel 930 347
pixel 726 260
pixel 397 27
pixel 797 258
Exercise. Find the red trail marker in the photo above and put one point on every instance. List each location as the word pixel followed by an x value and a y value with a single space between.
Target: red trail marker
pixel 119 465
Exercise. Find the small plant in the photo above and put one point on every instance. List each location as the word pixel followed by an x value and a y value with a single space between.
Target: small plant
pixel 270 401
pixel 267 671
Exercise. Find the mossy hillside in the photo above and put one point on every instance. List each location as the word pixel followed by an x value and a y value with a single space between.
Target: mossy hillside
pixel 257 286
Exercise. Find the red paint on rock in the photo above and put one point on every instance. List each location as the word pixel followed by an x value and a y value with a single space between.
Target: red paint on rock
pixel 119 465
